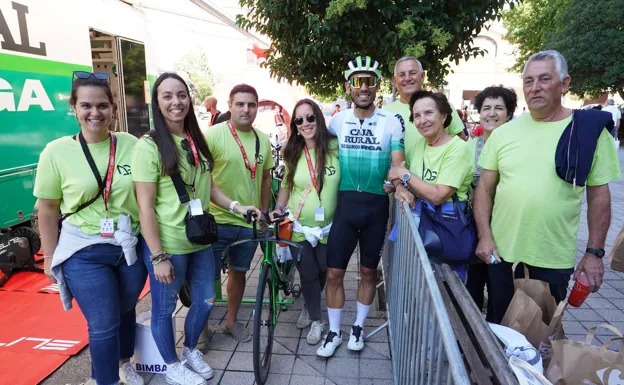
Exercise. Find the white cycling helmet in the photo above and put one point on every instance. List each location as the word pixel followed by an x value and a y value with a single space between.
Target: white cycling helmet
pixel 362 64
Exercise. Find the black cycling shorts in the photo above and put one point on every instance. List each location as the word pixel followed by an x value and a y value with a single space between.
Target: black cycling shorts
pixel 360 217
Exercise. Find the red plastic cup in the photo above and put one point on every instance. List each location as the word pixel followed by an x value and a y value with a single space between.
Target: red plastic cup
pixel 580 291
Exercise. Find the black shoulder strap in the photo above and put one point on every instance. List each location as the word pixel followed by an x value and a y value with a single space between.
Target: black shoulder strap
pixel 257 142
pixel 96 173
pixel 180 187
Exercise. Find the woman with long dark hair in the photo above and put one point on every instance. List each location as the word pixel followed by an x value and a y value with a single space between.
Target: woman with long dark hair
pixel 177 148
pixel 94 259
pixel 310 191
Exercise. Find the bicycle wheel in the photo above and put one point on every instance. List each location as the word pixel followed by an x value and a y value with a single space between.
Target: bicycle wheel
pixel 263 325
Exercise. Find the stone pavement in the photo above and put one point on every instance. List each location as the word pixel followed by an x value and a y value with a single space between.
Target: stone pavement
pixel 607 305
pixel 294 362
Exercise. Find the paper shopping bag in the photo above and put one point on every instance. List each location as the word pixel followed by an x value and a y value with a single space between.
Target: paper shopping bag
pixel 616 253
pixel 575 362
pixel 533 312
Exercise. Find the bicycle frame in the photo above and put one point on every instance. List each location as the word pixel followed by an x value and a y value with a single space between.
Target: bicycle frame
pixel 279 283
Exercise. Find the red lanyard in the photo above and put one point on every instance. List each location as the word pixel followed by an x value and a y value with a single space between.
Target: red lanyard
pixel 251 168
pixel 105 187
pixel 195 157
pixel 109 173
pixel 310 167
pixel 194 149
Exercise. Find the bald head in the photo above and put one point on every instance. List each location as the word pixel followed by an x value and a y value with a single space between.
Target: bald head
pixel 210 103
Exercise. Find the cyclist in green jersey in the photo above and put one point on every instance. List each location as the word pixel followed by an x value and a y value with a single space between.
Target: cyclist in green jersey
pixel 369 138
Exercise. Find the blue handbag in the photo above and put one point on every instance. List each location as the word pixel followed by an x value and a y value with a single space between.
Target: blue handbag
pixel 448 231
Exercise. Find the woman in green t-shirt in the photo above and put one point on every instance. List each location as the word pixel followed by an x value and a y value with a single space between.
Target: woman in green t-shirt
pixel 176 146
pixel 440 166
pixel 310 191
pixel 86 178
pixel 496 106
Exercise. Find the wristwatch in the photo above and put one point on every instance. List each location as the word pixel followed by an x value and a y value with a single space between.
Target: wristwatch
pixel 597 252
pixel 405 178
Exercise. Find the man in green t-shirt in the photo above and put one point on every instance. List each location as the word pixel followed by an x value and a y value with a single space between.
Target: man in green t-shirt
pixel 242 169
pixel 408 78
pixel 524 211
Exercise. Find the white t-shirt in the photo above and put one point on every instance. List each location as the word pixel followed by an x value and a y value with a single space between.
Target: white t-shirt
pixel 614 111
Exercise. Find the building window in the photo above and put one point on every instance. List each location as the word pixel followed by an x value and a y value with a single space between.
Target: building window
pixel 488 44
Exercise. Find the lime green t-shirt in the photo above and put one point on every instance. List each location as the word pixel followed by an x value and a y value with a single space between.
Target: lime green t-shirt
pixel 411 132
pixel 536 214
pixel 329 194
pixel 230 173
pixel 64 173
pixel 448 164
pixel 170 213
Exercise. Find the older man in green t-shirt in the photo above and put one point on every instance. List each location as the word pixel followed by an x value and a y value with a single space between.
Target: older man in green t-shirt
pixel 524 211
pixel 408 78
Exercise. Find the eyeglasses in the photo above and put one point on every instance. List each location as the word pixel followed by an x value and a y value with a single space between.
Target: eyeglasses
pixel 87 75
pixel 359 81
pixel 299 120
pixel 186 146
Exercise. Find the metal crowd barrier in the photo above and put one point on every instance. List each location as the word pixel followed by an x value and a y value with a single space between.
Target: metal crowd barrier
pixel 422 341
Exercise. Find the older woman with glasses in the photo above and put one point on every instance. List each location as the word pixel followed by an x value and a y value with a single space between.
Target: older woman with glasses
pixel 176 148
pixel 310 191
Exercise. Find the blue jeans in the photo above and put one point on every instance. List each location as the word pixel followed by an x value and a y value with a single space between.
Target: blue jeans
pixel 240 256
pixel 106 290
pixel 197 269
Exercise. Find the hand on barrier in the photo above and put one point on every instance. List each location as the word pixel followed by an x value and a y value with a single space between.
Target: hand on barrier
pixel 402 195
pixel 486 249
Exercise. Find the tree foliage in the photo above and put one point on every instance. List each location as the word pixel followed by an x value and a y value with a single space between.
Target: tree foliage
pixel 193 66
pixel 589 34
pixel 314 39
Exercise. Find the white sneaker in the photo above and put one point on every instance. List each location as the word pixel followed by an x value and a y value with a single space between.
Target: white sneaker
pixel 195 361
pixel 179 374
pixel 316 332
pixel 129 376
pixel 356 340
pixel 304 319
pixel 332 341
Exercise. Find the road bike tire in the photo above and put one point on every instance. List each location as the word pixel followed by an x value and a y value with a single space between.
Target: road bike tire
pixel 263 326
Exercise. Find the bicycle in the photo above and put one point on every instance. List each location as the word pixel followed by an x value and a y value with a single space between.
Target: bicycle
pixel 275 276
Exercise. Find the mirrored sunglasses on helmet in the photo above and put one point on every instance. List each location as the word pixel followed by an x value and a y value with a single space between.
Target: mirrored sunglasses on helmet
pixel 299 120
pixel 359 81
pixel 87 75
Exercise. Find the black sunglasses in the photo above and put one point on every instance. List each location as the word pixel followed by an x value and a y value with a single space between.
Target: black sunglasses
pixel 186 146
pixel 299 120
pixel 87 75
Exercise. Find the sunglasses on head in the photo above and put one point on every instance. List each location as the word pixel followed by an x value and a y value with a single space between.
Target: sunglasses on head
pixel 359 81
pixel 186 146
pixel 87 75
pixel 299 119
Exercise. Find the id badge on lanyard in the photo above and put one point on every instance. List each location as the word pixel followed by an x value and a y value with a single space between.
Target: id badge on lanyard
pixel 195 205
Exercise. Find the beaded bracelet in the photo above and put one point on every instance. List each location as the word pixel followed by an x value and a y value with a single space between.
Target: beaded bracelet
pixel 160 258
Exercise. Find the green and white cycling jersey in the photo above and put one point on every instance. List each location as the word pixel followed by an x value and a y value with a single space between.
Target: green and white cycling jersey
pixel 365 148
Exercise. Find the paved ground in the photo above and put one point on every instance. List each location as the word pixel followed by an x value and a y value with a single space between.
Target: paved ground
pixel 607 305
pixel 295 362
